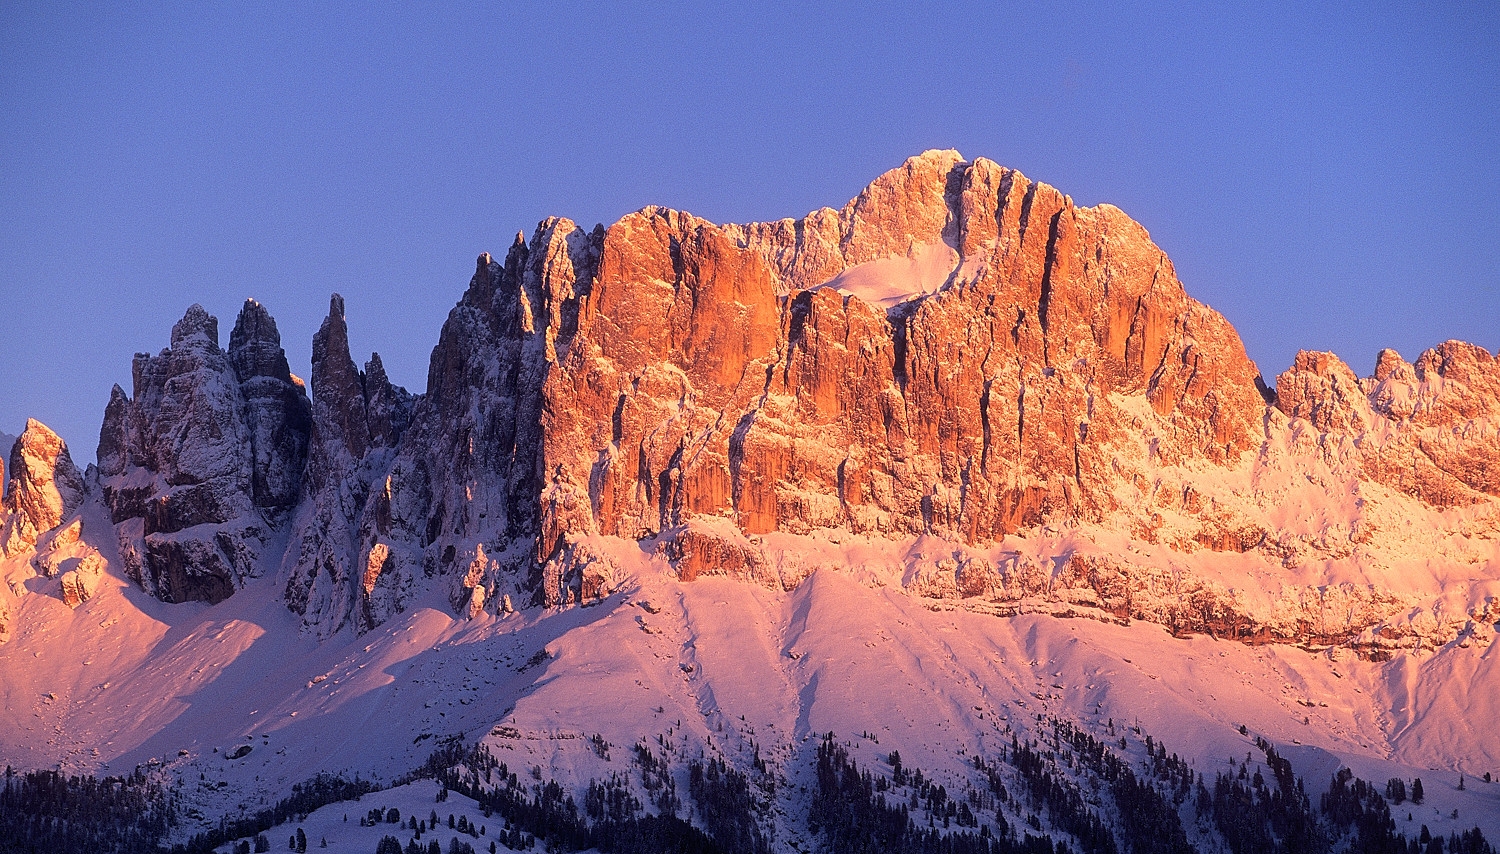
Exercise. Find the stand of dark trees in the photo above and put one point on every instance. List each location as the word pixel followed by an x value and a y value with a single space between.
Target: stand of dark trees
pixel 42 812
pixel 306 796
pixel 1094 800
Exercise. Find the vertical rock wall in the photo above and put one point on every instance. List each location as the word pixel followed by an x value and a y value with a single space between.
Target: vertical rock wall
pixel 204 456
pixel 357 419
pixel 958 351
pixel 715 373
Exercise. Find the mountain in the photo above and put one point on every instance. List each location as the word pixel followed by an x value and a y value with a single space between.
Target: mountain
pixel 205 457
pixel 953 470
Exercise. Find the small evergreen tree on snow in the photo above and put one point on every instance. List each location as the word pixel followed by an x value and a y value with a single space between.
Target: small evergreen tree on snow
pixel 1395 790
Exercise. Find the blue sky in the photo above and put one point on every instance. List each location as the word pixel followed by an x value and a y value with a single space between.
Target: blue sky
pixel 1325 175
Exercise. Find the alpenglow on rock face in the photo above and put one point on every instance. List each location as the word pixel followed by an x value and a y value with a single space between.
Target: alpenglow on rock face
pixel 1438 421
pixel 204 456
pixel 774 393
pixel 45 488
pixel 960 359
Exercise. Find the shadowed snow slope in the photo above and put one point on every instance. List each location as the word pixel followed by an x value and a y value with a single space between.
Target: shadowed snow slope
pixel 716 667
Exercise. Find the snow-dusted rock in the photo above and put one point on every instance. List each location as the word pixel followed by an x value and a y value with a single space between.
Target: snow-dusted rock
pixel 1429 429
pixel 467 470
pixel 207 453
pixel 332 569
pixel 81 578
pixel 959 355
pixel 725 370
pixel 52 547
pixel 45 488
pixel 906 436
pixel 276 411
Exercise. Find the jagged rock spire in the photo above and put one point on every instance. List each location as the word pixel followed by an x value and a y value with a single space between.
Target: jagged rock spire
pixel 204 456
pixel 255 345
pixel 337 387
pixel 356 418
pixel 196 326
pixel 277 411
pixel 45 487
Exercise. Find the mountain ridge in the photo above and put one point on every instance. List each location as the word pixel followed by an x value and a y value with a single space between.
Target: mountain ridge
pixel 782 393
pixel 957 401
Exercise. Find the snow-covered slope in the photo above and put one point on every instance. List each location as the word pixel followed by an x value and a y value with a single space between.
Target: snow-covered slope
pixel 715 667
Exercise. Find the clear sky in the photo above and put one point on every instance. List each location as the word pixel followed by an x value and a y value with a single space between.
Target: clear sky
pixel 1326 175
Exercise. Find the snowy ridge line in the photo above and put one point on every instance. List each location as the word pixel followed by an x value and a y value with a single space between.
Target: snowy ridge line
pixel 220 467
pixel 682 484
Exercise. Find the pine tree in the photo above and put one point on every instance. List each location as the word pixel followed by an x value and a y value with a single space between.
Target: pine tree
pixel 1416 791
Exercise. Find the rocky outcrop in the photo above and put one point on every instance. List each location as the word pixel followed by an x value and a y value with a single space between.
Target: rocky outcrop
pixel 958 352
pixel 40 522
pixel 204 456
pixel 45 488
pixel 959 355
pixel 64 554
pixel 746 371
pixel 276 412
pixel 450 480
pixel 357 419
pixel 472 465
pixel 1429 429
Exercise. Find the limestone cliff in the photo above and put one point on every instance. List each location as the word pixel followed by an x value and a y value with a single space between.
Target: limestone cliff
pixel 204 457
pixel 45 488
pixel 738 371
pixel 357 419
pixel 1009 396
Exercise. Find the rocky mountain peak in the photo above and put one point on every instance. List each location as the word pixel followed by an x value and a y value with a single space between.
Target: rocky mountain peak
pixel 1429 429
pixel 855 369
pixel 913 205
pixel 387 405
pixel 197 327
pixel 357 419
pixel 338 389
pixel 45 488
pixel 1322 389
pixel 204 457
pixel 958 353
pixel 255 345
pixel 277 411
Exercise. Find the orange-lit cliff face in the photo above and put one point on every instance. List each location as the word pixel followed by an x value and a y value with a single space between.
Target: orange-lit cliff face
pixel 960 439
pixel 1434 423
pixel 959 353
pixel 713 372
